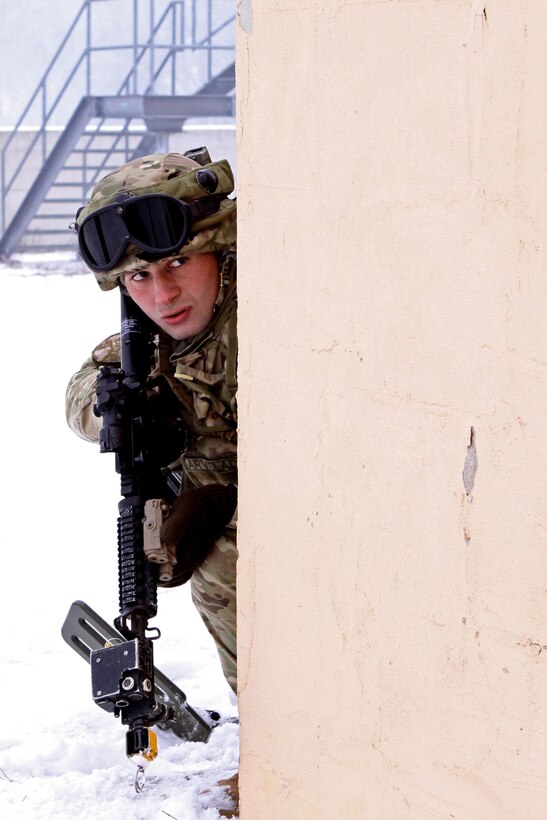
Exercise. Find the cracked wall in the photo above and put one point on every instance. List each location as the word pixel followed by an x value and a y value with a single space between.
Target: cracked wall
pixel 393 395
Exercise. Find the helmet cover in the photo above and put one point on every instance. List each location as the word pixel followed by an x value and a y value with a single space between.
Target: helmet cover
pixel 177 176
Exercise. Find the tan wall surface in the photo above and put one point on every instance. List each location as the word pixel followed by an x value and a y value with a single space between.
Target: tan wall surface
pixel 393 574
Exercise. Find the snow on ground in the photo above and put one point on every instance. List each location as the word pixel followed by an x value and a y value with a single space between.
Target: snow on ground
pixel 61 756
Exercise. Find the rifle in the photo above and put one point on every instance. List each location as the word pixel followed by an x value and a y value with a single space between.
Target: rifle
pixel 122 674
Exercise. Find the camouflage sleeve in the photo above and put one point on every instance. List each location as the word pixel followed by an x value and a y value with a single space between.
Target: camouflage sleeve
pixel 80 393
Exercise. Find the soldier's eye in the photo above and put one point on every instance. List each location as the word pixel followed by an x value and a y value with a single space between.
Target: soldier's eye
pixel 180 260
pixel 138 275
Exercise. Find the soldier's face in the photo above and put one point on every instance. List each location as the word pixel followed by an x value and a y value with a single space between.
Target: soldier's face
pixel 177 294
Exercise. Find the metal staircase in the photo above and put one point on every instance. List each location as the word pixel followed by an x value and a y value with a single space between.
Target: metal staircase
pixel 176 64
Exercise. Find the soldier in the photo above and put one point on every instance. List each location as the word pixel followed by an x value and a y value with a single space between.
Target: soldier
pixel 163 228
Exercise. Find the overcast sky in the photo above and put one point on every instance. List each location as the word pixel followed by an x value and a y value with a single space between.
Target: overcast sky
pixel 28 36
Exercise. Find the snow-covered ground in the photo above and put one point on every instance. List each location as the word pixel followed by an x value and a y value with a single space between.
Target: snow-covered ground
pixel 61 756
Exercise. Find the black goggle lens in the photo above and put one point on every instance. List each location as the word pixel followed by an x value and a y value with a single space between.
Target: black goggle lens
pixel 100 238
pixel 155 223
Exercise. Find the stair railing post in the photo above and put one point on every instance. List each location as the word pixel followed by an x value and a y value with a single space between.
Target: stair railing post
pixel 135 45
pixel 2 191
pixel 209 43
pixel 88 50
pixel 152 79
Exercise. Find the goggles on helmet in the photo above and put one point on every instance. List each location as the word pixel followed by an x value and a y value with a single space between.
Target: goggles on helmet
pixel 156 223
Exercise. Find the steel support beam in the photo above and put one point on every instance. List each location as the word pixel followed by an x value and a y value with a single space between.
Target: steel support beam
pixel 165 112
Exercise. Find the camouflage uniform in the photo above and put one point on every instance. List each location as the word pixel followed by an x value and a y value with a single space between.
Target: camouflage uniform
pixel 201 373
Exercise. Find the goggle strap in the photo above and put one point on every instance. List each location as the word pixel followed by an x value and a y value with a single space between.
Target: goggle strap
pixel 200 208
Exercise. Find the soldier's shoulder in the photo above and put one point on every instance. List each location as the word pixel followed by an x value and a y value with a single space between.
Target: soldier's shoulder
pixel 108 350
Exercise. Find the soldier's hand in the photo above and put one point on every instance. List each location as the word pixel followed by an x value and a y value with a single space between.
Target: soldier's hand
pixel 109 388
pixel 197 519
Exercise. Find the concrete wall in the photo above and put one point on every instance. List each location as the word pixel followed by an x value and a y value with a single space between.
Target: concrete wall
pixel 393 529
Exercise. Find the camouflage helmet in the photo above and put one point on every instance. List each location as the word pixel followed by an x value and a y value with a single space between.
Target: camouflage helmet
pixel 177 176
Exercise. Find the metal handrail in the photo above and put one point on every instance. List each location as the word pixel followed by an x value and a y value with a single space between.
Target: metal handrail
pixel 150 47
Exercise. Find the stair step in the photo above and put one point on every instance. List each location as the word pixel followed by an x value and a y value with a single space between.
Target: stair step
pixel 42 248
pixel 99 150
pixel 42 217
pixel 82 168
pixel 57 201
pixel 40 223
pixel 113 136
pixel 51 232
pixel 67 184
